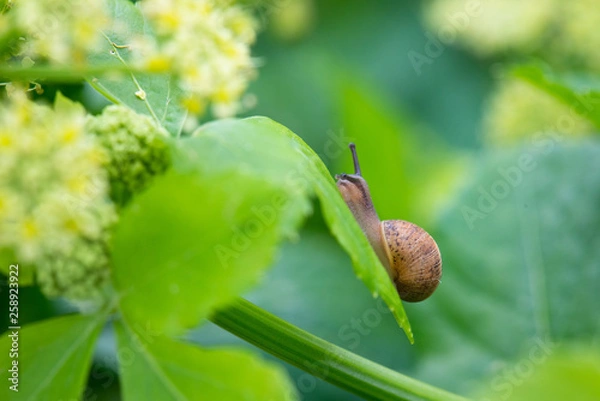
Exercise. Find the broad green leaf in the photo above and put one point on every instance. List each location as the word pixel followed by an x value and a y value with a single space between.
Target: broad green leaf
pixel 579 91
pixel 192 243
pixel 151 94
pixel 261 146
pixel 410 171
pixel 158 368
pixel 521 251
pixel 53 357
pixel 572 374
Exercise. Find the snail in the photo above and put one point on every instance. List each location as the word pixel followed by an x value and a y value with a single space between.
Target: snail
pixel 409 254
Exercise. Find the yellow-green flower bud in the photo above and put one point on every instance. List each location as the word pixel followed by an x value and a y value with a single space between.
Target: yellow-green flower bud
pixel 137 149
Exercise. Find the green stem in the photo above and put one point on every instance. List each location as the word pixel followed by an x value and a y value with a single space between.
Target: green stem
pixel 323 359
pixel 61 74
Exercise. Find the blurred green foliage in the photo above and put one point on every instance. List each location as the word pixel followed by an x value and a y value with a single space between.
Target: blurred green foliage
pixel 298 84
pixel 569 372
pixel 521 256
pixel 580 91
pixel 525 270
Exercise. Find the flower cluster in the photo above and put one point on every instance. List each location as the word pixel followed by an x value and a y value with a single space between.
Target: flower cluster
pixel 64 31
pixel 54 209
pixel 563 32
pixel 499 26
pixel 517 110
pixel 136 147
pixel 206 44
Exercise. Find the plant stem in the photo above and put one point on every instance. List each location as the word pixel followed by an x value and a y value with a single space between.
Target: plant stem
pixel 59 73
pixel 323 359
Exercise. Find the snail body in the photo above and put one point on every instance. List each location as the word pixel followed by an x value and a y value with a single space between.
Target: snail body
pixel 409 254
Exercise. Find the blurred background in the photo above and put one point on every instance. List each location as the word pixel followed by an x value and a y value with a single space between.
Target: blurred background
pixel 450 140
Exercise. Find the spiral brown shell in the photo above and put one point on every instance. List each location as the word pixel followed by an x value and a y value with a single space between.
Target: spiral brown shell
pixel 414 259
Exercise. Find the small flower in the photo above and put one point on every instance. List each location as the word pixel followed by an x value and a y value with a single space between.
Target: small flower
pixel 136 148
pixel 517 110
pixel 53 192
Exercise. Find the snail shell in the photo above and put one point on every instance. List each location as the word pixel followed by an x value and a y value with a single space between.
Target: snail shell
pixel 414 260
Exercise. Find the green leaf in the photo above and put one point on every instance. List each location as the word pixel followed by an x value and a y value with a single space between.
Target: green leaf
pixel 261 146
pixel 521 255
pixel 53 357
pixel 163 369
pixel 567 374
pixel 579 91
pixel 191 244
pixel 155 95
pixel 65 106
pixel 206 231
